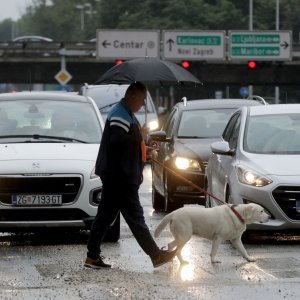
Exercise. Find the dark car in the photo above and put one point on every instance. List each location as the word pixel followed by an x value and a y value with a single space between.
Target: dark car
pixel 183 145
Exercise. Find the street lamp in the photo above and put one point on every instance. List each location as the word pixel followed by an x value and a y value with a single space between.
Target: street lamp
pixel 82 8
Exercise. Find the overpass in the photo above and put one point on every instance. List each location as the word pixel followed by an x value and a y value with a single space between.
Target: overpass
pixel 40 62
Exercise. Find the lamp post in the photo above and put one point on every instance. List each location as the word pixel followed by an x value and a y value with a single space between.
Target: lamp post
pixel 277 28
pixel 84 8
pixel 250 87
pixel 81 8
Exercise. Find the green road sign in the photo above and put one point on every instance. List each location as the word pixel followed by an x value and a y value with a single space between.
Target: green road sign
pixel 189 40
pixel 260 45
pixel 193 45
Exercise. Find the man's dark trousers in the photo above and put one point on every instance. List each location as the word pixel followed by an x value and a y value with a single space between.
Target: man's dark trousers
pixel 119 197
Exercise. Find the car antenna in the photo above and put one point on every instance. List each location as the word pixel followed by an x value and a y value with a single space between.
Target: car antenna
pixel 184 100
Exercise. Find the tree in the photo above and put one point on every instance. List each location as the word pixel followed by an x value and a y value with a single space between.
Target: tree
pixel 61 20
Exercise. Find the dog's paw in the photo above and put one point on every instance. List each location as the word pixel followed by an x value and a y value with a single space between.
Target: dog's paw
pixel 251 259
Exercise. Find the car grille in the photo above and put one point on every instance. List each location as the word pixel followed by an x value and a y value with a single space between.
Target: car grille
pixel 68 187
pixel 286 197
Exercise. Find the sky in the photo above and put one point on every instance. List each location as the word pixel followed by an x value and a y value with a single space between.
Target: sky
pixel 13 8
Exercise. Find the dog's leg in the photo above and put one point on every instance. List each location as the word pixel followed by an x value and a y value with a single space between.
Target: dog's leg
pixel 214 248
pixel 174 244
pixel 237 243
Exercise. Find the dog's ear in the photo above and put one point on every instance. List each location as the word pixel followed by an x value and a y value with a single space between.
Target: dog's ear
pixel 249 212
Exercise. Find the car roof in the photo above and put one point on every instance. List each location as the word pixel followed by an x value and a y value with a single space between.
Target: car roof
pixel 43 95
pixel 275 109
pixel 32 37
pixel 217 103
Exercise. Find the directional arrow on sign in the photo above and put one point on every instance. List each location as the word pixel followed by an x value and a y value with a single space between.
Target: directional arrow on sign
pixel 105 44
pixel 170 42
pixel 284 45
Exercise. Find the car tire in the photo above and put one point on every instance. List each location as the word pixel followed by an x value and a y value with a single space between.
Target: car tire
pixel 169 205
pixel 157 199
pixel 113 233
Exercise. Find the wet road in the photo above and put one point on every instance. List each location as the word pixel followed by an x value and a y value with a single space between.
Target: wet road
pixel 50 266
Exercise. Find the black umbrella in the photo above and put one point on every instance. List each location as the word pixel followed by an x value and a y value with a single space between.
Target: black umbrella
pixel 149 71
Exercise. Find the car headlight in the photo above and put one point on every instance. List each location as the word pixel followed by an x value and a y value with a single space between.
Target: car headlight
pixel 184 163
pixel 153 125
pixel 251 177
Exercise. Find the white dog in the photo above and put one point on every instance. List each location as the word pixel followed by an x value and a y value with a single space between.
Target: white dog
pixel 217 224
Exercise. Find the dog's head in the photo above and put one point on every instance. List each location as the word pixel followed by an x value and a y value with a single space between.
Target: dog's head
pixel 254 213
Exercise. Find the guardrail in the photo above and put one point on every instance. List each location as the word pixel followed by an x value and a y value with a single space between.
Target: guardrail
pixel 65 48
pixel 47 49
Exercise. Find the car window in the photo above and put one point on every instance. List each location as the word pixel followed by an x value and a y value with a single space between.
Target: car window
pixel 273 134
pixel 230 127
pixel 203 123
pixel 76 120
pixel 235 133
pixel 169 125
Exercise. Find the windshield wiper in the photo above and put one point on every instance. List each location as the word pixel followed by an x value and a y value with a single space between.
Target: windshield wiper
pixel 191 137
pixel 39 136
pixel 108 105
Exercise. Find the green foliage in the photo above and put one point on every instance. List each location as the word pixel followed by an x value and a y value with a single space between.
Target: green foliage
pixel 61 20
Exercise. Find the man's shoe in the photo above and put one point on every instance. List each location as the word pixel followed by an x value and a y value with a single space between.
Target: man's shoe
pixel 96 263
pixel 163 257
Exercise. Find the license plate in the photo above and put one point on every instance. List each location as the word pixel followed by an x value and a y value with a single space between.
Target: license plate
pixel 36 200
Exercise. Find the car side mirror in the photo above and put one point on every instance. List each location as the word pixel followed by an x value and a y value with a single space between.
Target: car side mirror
pixel 159 136
pixel 221 148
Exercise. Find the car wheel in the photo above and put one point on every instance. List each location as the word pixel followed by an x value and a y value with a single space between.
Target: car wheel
pixel 169 206
pixel 157 199
pixel 113 233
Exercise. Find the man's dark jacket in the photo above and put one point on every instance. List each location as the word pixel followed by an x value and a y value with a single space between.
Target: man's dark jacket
pixel 119 159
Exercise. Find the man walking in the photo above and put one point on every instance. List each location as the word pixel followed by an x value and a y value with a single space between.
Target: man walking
pixel 119 164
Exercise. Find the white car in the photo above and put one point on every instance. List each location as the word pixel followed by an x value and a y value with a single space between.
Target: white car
pixel 32 38
pixel 49 143
pixel 258 161
pixel 107 95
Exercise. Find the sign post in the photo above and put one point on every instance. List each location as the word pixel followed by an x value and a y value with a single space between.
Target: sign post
pixel 63 76
pixel 260 45
pixel 193 45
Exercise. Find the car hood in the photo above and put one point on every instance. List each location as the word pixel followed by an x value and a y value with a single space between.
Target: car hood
pixel 275 164
pixel 48 158
pixel 195 147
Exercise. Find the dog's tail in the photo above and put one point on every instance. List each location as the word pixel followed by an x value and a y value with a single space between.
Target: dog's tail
pixel 164 222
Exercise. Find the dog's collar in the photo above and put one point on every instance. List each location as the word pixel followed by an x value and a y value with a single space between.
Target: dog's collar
pixel 232 207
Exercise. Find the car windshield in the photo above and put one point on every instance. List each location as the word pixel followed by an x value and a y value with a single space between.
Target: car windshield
pixel 203 123
pixel 25 120
pixel 107 97
pixel 273 134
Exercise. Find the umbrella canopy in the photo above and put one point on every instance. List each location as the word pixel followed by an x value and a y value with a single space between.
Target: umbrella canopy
pixel 150 71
